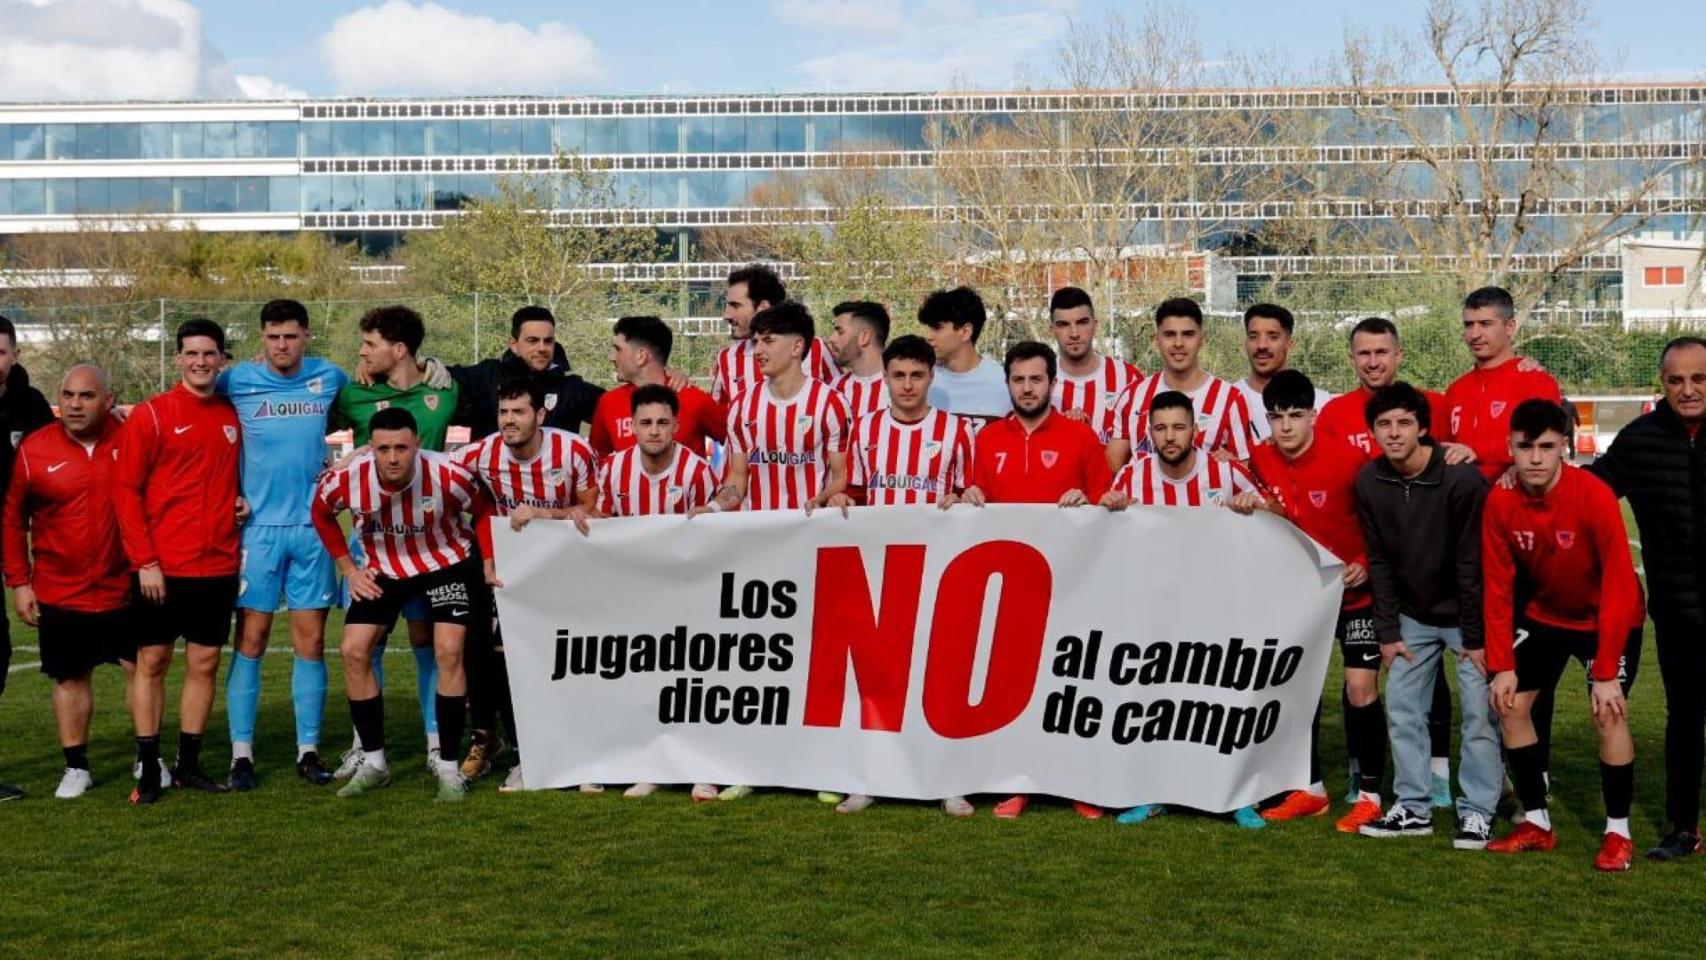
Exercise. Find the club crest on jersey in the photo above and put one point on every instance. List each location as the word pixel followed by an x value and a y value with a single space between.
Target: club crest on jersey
pixel 431 401
pixel 804 420
pixel 314 385
pixel 1497 408
pixel 429 504
pixel 1565 538
pixel 1203 420
pixel 381 405
pixel 1318 497
pixel 1109 397
pixel 554 477
pixel 17 438
pixel 1049 457
pixel 931 446
pixel 230 434
pixel 672 493
pixel 550 402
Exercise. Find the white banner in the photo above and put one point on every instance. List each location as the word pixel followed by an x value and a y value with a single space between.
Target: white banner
pixel 1151 656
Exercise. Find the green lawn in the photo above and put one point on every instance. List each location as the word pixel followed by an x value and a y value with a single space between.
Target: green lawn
pixel 291 868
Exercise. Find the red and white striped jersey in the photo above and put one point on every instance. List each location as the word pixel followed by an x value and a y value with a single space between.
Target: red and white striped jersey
pixel 625 489
pixel 1210 483
pixel 1223 419
pixel 563 467
pixel 1097 394
pixel 408 532
pixel 906 463
pixel 736 369
pixel 787 443
pixel 863 394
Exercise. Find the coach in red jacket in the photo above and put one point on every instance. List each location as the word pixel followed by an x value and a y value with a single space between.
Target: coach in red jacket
pixel 178 506
pixel 63 560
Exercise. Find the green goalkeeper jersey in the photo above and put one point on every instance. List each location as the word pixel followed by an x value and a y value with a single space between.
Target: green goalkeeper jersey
pixel 431 408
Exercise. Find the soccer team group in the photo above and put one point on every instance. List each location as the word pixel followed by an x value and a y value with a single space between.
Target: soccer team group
pixel 1463 527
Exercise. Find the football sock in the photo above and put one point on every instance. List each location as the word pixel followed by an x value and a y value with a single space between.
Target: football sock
pixel 378 665
pixel 452 716
pixel 242 703
pixel 148 755
pixel 1530 782
pixel 368 716
pixel 1618 785
pixel 1315 746
pixel 1440 766
pixel 1618 825
pixel 77 756
pixel 1369 722
pixel 426 687
pixel 308 699
pixel 189 750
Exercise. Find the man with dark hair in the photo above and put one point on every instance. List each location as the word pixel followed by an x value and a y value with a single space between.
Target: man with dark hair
pixel 530 471
pixel 1559 531
pixel 1223 418
pixel 1481 401
pixel 65 562
pixel 178 507
pixel 640 348
pixel 1089 383
pixel 1267 345
pixel 801 463
pixel 1657 463
pixel 861 332
pixel 1421 522
pixel 23 410
pixel 966 382
pixel 407 507
pixel 1034 455
pixel 533 353
pixel 283 403
pixel 391 339
pixel 1313 481
pixel 751 290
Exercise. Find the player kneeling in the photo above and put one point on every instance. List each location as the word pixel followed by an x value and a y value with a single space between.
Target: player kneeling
pixel 1559 531
pixel 655 476
pixel 407 508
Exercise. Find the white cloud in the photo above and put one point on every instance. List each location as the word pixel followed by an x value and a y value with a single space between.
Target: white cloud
pixel 941 43
pixel 108 50
pixel 266 88
pixel 402 47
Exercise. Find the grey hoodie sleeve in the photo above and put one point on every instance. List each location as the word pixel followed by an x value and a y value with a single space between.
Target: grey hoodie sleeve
pixel 1382 574
pixel 1468 493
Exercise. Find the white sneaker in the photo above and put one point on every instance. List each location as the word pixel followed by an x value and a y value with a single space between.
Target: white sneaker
pixel 452 785
pixel 512 783
pixel 703 792
pixel 75 783
pixel 854 803
pixel 432 760
pixel 165 773
pixel 348 764
pixel 957 807
pixel 591 788
pixel 640 791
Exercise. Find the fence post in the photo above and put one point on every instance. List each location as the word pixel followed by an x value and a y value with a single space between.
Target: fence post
pixel 476 357
pixel 160 383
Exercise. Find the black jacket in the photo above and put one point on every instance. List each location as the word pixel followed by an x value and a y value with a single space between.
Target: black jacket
pixel 23 410
pixel 1424 545
pixel 569 400
pixel 1661 470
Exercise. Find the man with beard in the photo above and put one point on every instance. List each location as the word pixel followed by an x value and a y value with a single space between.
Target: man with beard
pixel 1267 345
pixel 1222 417
pixel 861 333
pixel 533 353
pixel 1090 383
pixel 639 352
pixel 752 290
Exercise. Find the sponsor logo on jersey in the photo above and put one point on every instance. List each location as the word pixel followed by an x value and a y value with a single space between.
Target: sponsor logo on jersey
pixel 289 408
pixel 786 458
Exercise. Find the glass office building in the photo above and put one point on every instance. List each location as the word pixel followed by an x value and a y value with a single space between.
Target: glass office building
pixel 376 169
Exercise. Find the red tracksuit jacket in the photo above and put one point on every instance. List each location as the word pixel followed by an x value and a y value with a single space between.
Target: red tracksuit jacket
pixel 1479 405
pixel 176 493
pixel 61 534
pixel 1012 466
pixel 1318 491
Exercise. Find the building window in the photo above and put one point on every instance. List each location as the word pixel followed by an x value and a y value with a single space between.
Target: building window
pixel 1662 277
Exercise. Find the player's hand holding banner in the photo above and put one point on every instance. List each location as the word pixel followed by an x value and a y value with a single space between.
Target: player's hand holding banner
pixel 1155 656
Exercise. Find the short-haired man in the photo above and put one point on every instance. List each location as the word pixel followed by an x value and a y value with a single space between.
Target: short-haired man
pixel 534 353
pixel 861 333
pixel 283 404
pixel 1223 418
pixel 1559 530
pixel 1656 463
pixel 23 410
pixel 1480 402
pixel 752 290
pixel 966 383
pixel 1035 455
pixel 407 506
pixel 1313 480
pixel 639 352
pixel 530 471
pixel 1090 383
pixel 176 496
pixel 1173 472
pixel 654 476
pixel 1421 522
pixel 391 339
pixel 1267 346
pixel 65 562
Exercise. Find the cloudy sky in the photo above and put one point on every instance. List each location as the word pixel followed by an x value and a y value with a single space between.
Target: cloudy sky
pixel 179 49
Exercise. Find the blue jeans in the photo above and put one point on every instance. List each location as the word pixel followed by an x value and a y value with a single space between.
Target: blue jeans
pixel 1409 693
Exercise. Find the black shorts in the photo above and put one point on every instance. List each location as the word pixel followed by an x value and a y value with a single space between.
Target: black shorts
pixel 199 609
pixel 1542 652
pixel 1358 645
pixel 455 595
pixel 73 642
